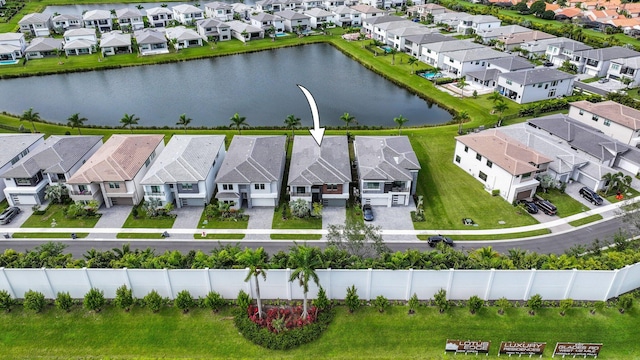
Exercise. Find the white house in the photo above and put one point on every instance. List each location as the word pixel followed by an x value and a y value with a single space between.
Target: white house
pixel 381 30
pixel 294 21
pixel 214 29
pixel 535 85
pixel 16 146
pixel 433 53
pixel 596 62
pixel 332 5
pixel 310 4
pixel 245 32
pixel 12 46
pixel 64 22
pixel 151 42
pixel 185 171
pixel 396 36
pixel 471 24
pixel 130 19
pixel 98 19
pixel 242 10
pixel 461 62
pixel 36 24
pixel 368 11
pixel 219 10
pixel 611 118
pixel 112 175
pixel 115 42
pixel 625 68
pixel 413 43
pixel 500 163
pixel 41 47
pixel 271 5
pixel 387 170
pixel 252 171
pixel 159 17
pixel 184 37
pixel 79 41
pixel 320 17
pixel 564 49
pixel 187 14
pixel 51 163
pixel 265 21
pixel 347 17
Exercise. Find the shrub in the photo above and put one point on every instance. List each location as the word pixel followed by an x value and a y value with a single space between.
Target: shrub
pixel 153 301
pixel 184 301
pixel 64 301
pixel 413 303
pixel 534 303
pixel 598 306
pixel 565 305
pixel 299 208
pixel 6 302
pixel 440 298
pixel 381 303
pixel 34 300
pixel 475 304
pixel 94 300
pixel 352 300
pixel 503 304
pixel 321 301
pixel 243 300
pixel 625 302
pixel 124 298
pixel 213 301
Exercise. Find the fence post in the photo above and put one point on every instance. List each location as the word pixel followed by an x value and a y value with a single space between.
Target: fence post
pixel 207 276
pixel 46 276
pixel 368 290
pixel 127 279
pixel 248 285
pixel 529 284
pixel 450 282
pixel 570 284
pixel 492 274
pixel 6 279
pixel 625 271
pixel 613 280
pixel 86 276
pixel 168 282
pixel 288 285
pixel 407 293
pixel 328 289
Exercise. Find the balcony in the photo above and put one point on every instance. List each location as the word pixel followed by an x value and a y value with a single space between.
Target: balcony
pixel 80 193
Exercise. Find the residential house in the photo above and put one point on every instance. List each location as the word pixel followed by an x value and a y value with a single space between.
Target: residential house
pixel 12 46
pixel 368 11
pixel 219 10
pixel 115 42
pixel 611 118
pixel 485 79
pixel 36 24
pixel 568 13
pixel 320 174
pixel 265 21
pixel 159 17
pixel 397 37
pixel 565 50
pixel 187 14
pixel 535 85
pixel 183 37
pixel 460 62
pixel 64 22
pixel 112 175
pixel 271 6
pixel 242 10
pixel 151 42
pixel 625 70
pixel 595 62
pixel 428 11
pixel 449 20
pixel 16 146
pixel 413 43
pixel 332 5
pixel 252 171
pixel 492 34
pixel 98 19
pixel 184 173
pixel 214 29
pixel 500 163
pixel 320 18
pixel 41 47
pixel 381 31
pixel 509 64
pixel 79 41
pixel 538 48
pixel 513 41
pixel 51 163
pixel 310 4
pixel 245 32
pixel 471 24
pixel 387 170
pixel 433 53
pixel 377 3
pixel 369 24
pixel 130 19
pixel 294 21
pixel 347 17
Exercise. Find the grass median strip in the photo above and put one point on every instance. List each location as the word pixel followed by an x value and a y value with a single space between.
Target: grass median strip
pixel 296 236
pixel 27 235
pixel 587 220
pixel 495 236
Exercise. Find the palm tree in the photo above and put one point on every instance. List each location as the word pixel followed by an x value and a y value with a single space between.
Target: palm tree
pixel 500 107
pixel 461 117
pixel 238 122
pixel 75 121
pixel 400 120
pixel 129 120
pixel 139 7
pixel 31 116
pixel 305 260
pixel 292 122
pixel 393 53
pixel 184 121
pixel 461 84
pixel 495 96
pixel 256 262
pixel 348 119
pixel 412 61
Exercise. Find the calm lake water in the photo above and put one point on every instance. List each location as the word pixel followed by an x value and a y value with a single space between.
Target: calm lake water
pixel 260 86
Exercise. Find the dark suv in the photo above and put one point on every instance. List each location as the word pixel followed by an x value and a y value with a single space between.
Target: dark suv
pixel 591 196
pixel 435 239
pixel 529 206
pixel 8 214
pixel 546 207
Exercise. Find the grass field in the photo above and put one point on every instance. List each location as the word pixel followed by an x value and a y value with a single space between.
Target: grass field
pixel 366 334
pixel 54 217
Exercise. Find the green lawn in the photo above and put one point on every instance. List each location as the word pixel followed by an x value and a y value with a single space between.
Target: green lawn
pixel 366 334
pixel 139 236
pixel 142 221
pixel 296 236
pixel 205 223
pixel 26 235
pixel 219 237
pixel 54 212
pixel 587 220
pixel 566 205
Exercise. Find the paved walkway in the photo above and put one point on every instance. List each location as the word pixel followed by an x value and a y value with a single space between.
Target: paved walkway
pixel 259 218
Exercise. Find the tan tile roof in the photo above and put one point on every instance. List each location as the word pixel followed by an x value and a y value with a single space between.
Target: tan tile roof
pixel 618 113
pixel 507 153
pixel 624 22
pixel 119 159
pixel 570 12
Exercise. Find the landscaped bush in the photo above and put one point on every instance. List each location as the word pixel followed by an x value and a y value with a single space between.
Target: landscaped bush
pixel 34 300
pixel 413 303
pixel 184 301
pixel 440 298
pixel 94 300
pixel 6 302
pixel 154 301
pixel 352 300
pixel 243 300
pixel 213 301
pixel 64 301
pixel 299 208
pixel 475 304
pixel 503 304
pixel 625 302
pixel 534 304
pixel 124 298
pixel 381 303
pixel 565 305
pixel 321 301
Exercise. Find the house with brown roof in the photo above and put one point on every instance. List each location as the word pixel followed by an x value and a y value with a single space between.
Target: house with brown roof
pixel 501 163
pixel 616 120
pixel 113 174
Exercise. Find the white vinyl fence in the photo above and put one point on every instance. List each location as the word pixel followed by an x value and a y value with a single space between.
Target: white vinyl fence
pixel 393 284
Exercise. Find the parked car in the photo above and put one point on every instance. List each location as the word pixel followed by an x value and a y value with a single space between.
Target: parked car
pixel 367 213
pixel 548 63
pixel 546 207
pixel 591 196
pixel 8 214
pixel 435 239
pixel 603 80
pixel 529 206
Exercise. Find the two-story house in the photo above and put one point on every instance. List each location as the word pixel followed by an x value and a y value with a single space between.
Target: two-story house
pixel 214 29
pixel 625 70
pixel 64 22
pixel 611 118
pixel 270 6
pixel 565 50
pixel 320 174
pixel 433 53
pixel 151 42
pixel 35 24
pixel 265 21
pixel 187 14
pixel 16 146
pixel 219 10
pixel 346 16
pixel 12 46
pixel 159 17
pixel 252 171
pixel 294 21
pixel 79 41
pixel 535 85
pixel 387 170
pixel 500 163
pixel 185 171
pixel 130 19
pixel 461 62
pixel 51 163
pixel 112 175
pixel 319 17
pixel 115 42
pixel 183 37
pixel 596 62
pixel 413 43
pixel 98 19
pixel 471 24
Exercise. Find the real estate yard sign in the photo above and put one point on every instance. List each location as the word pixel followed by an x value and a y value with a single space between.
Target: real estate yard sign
pixel 467 346
pixel 521 348
pixel 577 349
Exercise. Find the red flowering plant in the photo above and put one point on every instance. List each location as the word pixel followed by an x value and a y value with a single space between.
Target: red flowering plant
pixel 279 319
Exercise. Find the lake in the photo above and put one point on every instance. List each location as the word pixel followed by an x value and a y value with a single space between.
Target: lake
pixel 260 86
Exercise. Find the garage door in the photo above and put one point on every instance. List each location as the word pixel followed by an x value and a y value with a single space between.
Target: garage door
pixel 262 202
pixel 524 194
pixel 191 202
pixel 334 202
pixel 375 201
pixel 24 199
pixel 121 201
pixel 586 181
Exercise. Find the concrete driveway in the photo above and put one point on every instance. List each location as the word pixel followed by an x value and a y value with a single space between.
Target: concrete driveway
pixel 333 216
pixel 187 218
pixel 260 218
pixel 25 213
pixel 394 218
pixel 113 217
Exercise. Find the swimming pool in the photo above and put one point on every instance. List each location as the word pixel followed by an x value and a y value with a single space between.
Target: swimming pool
pixel 281 35
pixel 9 62
pixel 431 75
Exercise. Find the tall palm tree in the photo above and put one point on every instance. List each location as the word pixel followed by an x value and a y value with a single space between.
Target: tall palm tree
pixel 412 61
pixel 256 262
pixel 400 120
pixel 238 122
pixel 292 122
pixel 31 116
pixel 461 117
pixel 495 97
pixel 184 121
pixel 304 261
pixel 348 119
pixel 500 107
pixel 75 121
pixel 461 84
pixel 129 120
pixel 393 53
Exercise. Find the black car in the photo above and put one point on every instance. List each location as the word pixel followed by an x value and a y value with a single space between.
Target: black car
pixel 529 206
pixel 591 196
pixel 548 63
pixel 367 213
pixel 8 214
pixel 546 207
pixel 435 239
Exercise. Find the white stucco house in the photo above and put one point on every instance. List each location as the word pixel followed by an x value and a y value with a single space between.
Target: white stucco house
pixel 245 32
pixel 219 10
pixel 36 24
pixel 535 85
pixel 12 46
pixel 611 118
pixel 187 14
pixel 41 47
pixel 294 21
pixel 115 42
pixel 64 22
pixel 265 21
pixel 596 62
pixel 130 19
pixel 471 24
pixel 16 146
pixel 183 37
pixel 80 41
pixel 625 68
pixel 215 29
pixel 159 17
pixel 319 17
pixel 98 19
pixel 151 42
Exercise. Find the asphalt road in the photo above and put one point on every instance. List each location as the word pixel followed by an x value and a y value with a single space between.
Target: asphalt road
pixel 555 243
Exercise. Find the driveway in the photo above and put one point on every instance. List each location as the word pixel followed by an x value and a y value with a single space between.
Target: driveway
pixel 25 213
pixel 333 216
pixel 259 218
pixel 394 218
pixel 187 218
pixel 113 217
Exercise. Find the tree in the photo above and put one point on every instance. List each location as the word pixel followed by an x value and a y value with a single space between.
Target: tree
pixel 412 61
pixel 495 97
pixel 321 301
pixel 348 119
pixel 440 298
pixel 184 301
pixel 503 304
pixel 271 32
pixel 94 300
pixel 393 51
pixel 352 300
pixel 400 120
pixel 305 260
pixel 500 107
pixel 56 193
pixel 238 122
pixel 475 304
pixel 213 301
pixel 292 122
pixel 548 15
pixel 31 116
pixel 6 302
pixel 256 262
pixel 522 7
pixel 461 117
pixel 129 120
pixel 124 298
pixel 75 121
pixel 184 121
pixel 461 84
pixel 153 301
pixel 381 303
pixel 64 301
pixel 357 238
pixel 534 303
pixel 538 7
pixel 565 305
pixel 34 300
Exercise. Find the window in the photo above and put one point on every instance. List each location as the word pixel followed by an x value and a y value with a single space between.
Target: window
pixel 546 86
pixel 155 189
pixel 594 118
pixel 227 186
pixel 581 112
pixel 509 82
pixel 478 157
pixel 113 185
pixel 555 83
pixel 458 159
pixel 526 175
pixel 187 186
pixel 466 149
pixel 300 190
pixel 615 66
pixel 258 186
pixel 607 122
pixel 552 93
pixel 540 85
pixel 332 187
pixel 373 185
pixel 482 176
pixel 489 164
